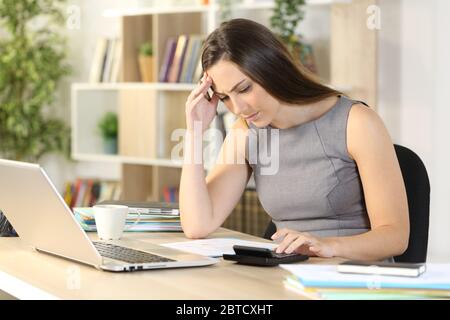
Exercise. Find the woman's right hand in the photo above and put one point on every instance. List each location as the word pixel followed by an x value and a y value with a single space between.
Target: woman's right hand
pixel 198 108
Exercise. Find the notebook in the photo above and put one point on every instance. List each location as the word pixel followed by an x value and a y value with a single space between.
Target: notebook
pixel 382 268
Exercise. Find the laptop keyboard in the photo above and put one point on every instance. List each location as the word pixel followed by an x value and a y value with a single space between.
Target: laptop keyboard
pixel 112 251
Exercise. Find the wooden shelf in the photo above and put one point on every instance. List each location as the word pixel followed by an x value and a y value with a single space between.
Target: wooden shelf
pixel 128 160
pixel 157 86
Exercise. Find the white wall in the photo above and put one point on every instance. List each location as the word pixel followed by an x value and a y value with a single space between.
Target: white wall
pixel 414 83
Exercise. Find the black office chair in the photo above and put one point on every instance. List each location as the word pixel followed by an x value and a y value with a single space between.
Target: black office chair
pixel 6 229
pixel 417 187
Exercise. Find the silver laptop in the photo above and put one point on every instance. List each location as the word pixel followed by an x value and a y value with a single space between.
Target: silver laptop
pixel 43 220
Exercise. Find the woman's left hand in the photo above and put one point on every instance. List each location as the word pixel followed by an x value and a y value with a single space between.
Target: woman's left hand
pixel 304 243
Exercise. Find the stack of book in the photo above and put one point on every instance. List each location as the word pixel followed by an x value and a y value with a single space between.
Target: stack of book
pixel 152 217
pixel 181 61
pixel 106 61
pixel 87 192
pixel 325 282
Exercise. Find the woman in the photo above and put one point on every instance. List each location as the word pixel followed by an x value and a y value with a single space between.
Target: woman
pixel 338 190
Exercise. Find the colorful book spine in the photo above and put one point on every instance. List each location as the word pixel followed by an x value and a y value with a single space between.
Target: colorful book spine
pixel 168 59
pixel 87 192
pixel 187 57
pixel 195 60
pixel 177 63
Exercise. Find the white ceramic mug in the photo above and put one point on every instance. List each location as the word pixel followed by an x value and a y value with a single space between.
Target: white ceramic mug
pixel 110 220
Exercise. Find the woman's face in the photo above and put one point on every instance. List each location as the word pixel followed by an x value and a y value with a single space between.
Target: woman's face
pixel 242 96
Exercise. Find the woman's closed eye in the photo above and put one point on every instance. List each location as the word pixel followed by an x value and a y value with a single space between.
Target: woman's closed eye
pixel 245 89
pixel 224 98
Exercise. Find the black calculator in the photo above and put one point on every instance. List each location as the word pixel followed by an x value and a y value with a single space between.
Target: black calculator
pixel 262 256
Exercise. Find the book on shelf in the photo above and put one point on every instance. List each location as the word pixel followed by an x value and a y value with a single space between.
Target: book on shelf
pixel 171 46
pixel 81 193
pixel 178 58
pixel 97 60
pixel 170 194
pixel 106 61
pixel 87 192
pixel 192 58
pixel 198 72
pixel 181 59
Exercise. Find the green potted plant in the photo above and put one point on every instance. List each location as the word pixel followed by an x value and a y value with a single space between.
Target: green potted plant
pixel 286 16
pixel 108 126
pixel 146 62
pixel 32 64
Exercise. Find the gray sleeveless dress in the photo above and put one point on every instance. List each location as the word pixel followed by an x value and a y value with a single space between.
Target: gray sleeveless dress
pixel 317 187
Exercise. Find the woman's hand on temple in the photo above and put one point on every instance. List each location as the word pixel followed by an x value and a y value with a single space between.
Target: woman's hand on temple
pixel 304 243
pixel 198 108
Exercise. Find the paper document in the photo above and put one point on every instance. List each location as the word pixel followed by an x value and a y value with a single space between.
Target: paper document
pixel 216 247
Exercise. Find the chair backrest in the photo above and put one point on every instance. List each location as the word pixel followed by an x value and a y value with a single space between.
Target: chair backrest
pixel 417 187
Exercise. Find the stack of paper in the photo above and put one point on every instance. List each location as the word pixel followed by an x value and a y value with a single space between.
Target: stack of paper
pixel 325 282
pixel 149 207
pixel 147 222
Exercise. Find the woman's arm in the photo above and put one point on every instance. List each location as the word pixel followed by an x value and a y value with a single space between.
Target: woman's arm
pixel 206 203
pixel 370 145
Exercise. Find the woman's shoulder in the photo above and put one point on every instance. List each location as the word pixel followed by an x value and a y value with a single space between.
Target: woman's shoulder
pixel 365 129
pixel 363 118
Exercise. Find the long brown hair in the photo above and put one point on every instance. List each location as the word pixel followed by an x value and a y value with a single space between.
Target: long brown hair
pixel 265 59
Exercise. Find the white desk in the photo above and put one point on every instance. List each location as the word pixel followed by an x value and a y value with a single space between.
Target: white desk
pixel 27 274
